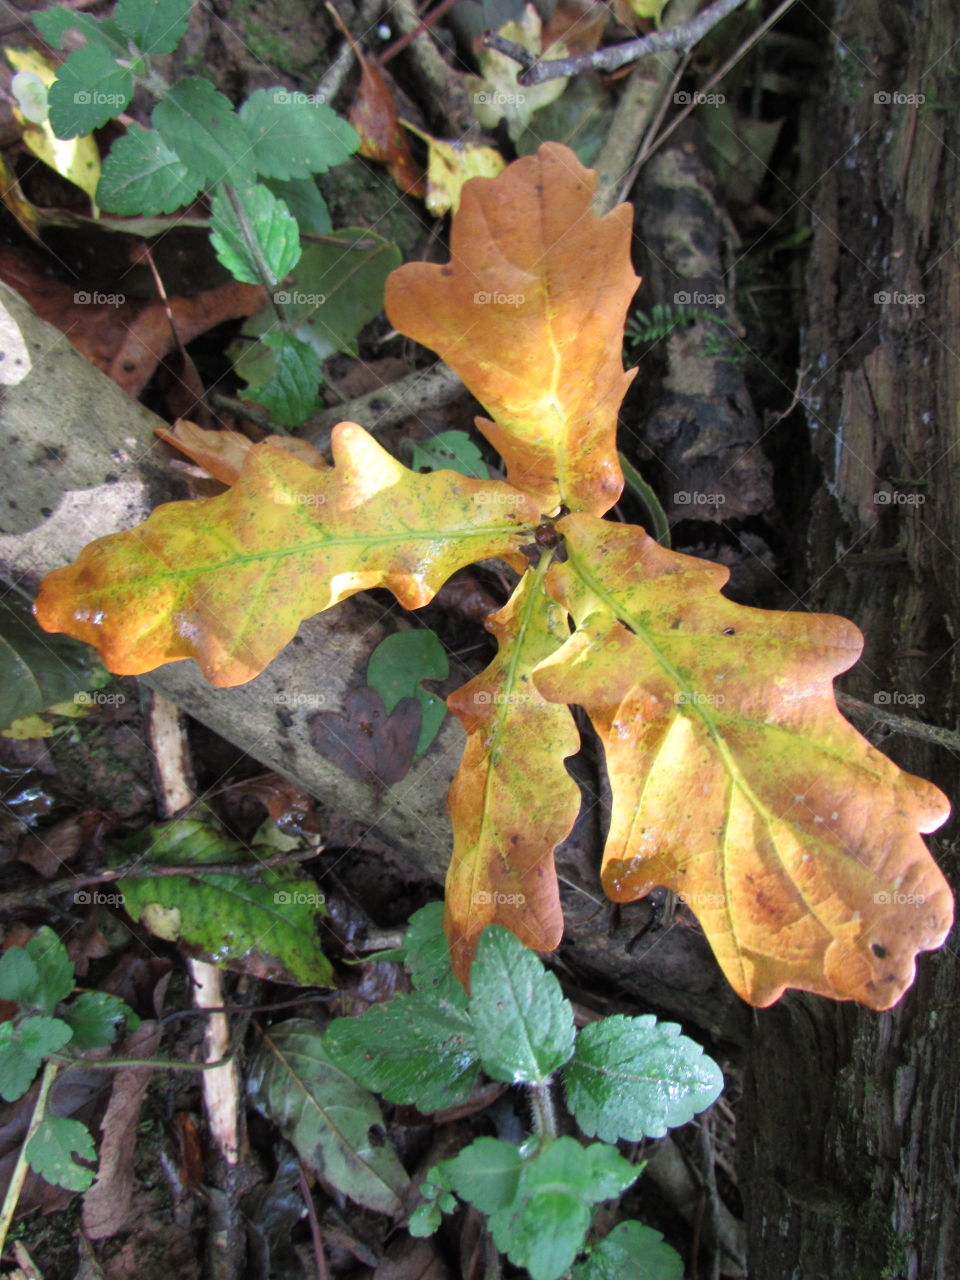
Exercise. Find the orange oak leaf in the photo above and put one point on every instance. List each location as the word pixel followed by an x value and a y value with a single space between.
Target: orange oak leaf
pixel 737 782
pixel 530 312
pixel 511 801
pixel 227 580
pixel 222 453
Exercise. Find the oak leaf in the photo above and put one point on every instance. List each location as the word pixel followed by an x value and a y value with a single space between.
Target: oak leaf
pixel 511 801
pixel 530 313
pixel 227 580
pixel 736 781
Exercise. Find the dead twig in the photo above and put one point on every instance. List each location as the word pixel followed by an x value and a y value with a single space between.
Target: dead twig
pixel 683 36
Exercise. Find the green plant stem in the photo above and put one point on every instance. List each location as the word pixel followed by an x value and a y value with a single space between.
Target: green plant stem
pixel 253 244
pixel 157 1064
pixel 50 1071
pixel 542 1112
pixel 643 493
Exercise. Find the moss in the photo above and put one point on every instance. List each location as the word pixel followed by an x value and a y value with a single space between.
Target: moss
pixel 288 35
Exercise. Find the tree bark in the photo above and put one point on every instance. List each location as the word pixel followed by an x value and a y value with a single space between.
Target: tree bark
pixel 850 1123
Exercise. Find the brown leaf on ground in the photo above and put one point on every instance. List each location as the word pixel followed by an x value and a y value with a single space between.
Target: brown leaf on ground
pixel 125 339
pixel 577 25
pixel 48 851
pixel 374 116
pixel 365 740
pixel 222 453
pixel 409 1259
pixel 106 1205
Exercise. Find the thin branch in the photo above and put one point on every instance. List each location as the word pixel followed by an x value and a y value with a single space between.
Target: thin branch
pixel 426 22
pixel 683 36
pixel 939 736
pixel 40 893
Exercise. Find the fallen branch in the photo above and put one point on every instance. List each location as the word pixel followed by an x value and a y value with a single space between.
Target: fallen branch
pixel 683 36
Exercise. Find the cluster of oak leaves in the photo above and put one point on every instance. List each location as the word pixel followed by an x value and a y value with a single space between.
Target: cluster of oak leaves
pixel 735 779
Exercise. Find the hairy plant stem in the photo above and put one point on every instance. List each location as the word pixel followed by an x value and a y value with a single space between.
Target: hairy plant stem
pixel 542 1111
pixel 18 1178
pixel 267 278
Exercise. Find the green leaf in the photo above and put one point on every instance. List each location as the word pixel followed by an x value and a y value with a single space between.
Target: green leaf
pixel 326 1116
pixel 53 24
pixel 636 1077
pixel 54 969
pixel 289 392
pixel 155 26
pixel 425 1219
pixel 397 666
pixel 227 916
pixel 452 449
pixel 194 120
pixel 19 976
pixel 268 219
pixel 337 288
pixel 426 954
pixel 31 95
pixel 302 197
pixel 22 1049
pixel 96 1017
pixel 294 134
pixel 412 1049
pixel 37 669
pixel 89 90
pixel 51 1149
pixel 544 1228
pixel 631 1251
pixel 486 1174
pixel 143 175
pixel 523 1023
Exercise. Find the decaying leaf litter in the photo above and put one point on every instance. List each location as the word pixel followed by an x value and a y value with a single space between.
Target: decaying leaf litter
pixel 592 486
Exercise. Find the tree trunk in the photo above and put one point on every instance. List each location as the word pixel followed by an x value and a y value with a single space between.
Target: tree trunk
pixel 849 1127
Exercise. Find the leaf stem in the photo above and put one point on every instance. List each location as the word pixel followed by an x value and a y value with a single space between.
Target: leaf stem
pixel 50 1071
pixel 542 1111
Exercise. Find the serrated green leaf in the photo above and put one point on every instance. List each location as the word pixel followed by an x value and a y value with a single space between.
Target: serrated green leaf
pixel 337 288
pixel 294 134
pixel 268 219
pixel 194 120
pixel 19 976
pixel 22 1049
pixel 302 197
pixel 53 24
pixel 636 1077
pixel 90 89
pixel 523 1023
pixel 453 449
pixel 544 1227
pixel 227 916
pixel 54 969
pixel 485 1174
pixel 289 393
pixel 326 1116
pixel 37 669
pixel 95 1018
pixel 51 1150
pixel 631 1251
pixel 155 26
pixel 143 175
pixel 426 954
pixel 413 1049
pixel 396 668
